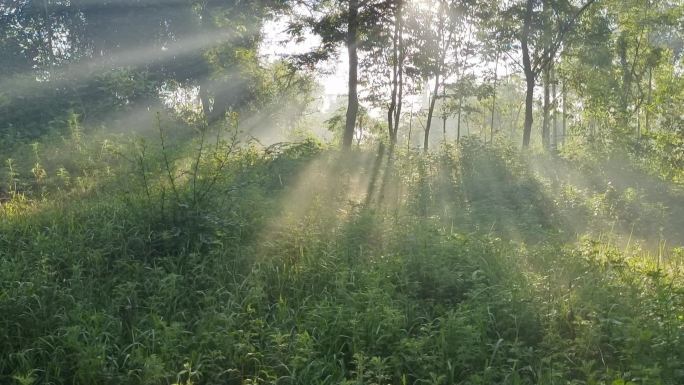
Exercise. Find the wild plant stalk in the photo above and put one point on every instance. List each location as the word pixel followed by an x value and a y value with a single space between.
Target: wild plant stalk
pixel 221 159
pixel 12 179
pixel 167 164
pixel 143 170
pixel 198 159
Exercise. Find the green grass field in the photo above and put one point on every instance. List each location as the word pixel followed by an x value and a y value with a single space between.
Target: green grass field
pixel 168 261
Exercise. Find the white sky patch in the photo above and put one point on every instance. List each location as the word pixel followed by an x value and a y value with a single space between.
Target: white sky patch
pixel 333 75
pixel 277 44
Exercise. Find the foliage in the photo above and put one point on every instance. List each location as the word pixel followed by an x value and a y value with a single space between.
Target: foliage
pixel 199 262
pixel 194 246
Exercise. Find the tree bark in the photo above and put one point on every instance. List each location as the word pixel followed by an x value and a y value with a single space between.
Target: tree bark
pixel 496 68
pixel 529 101
pixel 649 100
pixel 431 110
pixel 400 93
pixel 458 123
pixel 395 83
pixel 529 74
pixel 439 67
pixel 353 97
pixel 394 112
pixel 564 91
pixel 545 57
pixel 410 128
pixel 547 107
pixel 554 104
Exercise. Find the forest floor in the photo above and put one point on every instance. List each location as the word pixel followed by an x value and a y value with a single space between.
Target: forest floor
pixel 215 262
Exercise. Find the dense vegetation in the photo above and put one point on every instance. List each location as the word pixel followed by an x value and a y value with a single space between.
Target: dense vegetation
pixel 168 214
pixel 256 268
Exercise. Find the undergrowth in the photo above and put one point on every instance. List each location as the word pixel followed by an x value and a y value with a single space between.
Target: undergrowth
pixel 218 262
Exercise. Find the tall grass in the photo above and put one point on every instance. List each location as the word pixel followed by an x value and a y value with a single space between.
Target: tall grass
pixel 218 262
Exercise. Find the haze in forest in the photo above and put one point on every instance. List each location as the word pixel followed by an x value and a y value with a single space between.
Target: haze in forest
pixel 382 192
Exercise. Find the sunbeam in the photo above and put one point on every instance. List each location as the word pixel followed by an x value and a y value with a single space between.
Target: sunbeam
pixel 341 192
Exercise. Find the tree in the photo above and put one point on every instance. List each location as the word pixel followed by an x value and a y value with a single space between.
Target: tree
pixel 104 57
pixel 353 81
pixel 347 23
pixel 440 30
pixel 617 60
pixel 544 26
pixel 397 87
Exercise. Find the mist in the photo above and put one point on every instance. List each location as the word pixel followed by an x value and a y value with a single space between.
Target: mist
pixel 341 192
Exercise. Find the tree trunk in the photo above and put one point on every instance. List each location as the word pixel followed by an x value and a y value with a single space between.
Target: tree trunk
pixel 638 118
pixel 529 101
pixel 529 74
pixel 400 94
pixel 547 107
pixel 496 68
pixel 394 112
pixel 444 115
pixel 439 67
pixel 554 121
pixel 626 80
pixel 431 110
pixel 408 140
pixel 458 123
pixel 395 83
pixel 353 98
pixel 564 91
pixel 647 124
pixel 484 125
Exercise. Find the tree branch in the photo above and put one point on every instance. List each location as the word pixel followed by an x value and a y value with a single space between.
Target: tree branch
pixel 550 52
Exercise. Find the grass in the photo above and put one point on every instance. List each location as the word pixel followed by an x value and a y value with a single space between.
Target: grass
pixel 213 262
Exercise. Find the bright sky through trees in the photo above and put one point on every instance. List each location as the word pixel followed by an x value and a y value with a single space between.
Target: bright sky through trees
pixel 277 44
pixel 354 192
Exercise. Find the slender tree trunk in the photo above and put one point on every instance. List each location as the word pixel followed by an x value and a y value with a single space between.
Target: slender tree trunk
pixel 353 98
pixel 564 93
pixel 408 141
pixel 529 74
pixel 529 101
pixel 547 107
pixel 400 94
pixel 484 124
pixel 440 67
pixel 638 118
pixel 395 82
pixel 444 115
pixel 496 68
pixel 394 113
pixel 359 132
pixel 626 79
pixel 458 123
pixel 555 108
pixel 647 124
pixel 431 110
